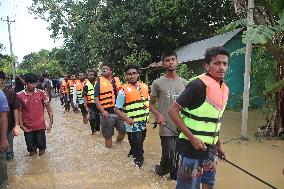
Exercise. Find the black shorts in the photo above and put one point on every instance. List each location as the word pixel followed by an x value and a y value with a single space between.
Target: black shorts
pixel 83 109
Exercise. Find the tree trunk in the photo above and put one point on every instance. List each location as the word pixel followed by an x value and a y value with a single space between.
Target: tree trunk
pixel 247 74
pixel 279 101
pixel 278 54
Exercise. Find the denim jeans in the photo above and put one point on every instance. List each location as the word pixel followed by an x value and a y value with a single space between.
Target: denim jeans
pixel 3 170
pixel 35 139
pixel 168 159
pixel 10 151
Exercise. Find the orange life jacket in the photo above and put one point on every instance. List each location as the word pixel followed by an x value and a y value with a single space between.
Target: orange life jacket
pixel 71 86
pixel 64 87
pixel 133 95
pixel 107 96
pixel 136 104
pixel 79 85
pixel 77 81
pixel 215 95
pixel 79 90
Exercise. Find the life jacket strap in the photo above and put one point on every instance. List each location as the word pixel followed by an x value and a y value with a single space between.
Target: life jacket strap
pixel 205 119
pixel 204 133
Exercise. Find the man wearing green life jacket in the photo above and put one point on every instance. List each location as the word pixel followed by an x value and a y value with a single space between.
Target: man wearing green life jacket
pixel 132 105
pixel 78 98
pixel 197 112
pixel 89 101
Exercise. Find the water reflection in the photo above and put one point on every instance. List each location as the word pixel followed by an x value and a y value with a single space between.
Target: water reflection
pixel 76 159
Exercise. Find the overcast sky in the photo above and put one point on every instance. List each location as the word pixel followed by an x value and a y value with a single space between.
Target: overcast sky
pixel 28 34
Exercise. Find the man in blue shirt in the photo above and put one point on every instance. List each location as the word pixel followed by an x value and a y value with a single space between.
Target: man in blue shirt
pixel 4 109
pixel 132 105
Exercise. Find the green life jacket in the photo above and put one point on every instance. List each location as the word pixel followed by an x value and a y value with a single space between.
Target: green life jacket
pixel 204 122
pixel 91 93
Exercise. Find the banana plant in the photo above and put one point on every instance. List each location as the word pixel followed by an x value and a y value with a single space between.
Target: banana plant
pixel 267 32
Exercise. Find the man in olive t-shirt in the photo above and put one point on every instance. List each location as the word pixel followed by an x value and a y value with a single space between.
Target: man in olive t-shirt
pixel 165 91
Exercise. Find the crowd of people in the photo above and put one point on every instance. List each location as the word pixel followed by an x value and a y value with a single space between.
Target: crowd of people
pixel 188 114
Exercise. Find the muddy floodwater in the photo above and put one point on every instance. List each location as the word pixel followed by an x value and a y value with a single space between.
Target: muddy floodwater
pixel 77 160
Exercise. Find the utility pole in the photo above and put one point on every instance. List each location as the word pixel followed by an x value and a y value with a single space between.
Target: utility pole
pixel 11 47
pixel 247 73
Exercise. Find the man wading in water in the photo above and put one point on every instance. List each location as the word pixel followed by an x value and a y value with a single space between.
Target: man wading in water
pixel 106 90
pixel 4 109
pixel 64 93
pixel 165 90
pixel 13 115
pixel 132 104
pixel 201 105
pixel 31 119
pixel 78 96
pixel 89 101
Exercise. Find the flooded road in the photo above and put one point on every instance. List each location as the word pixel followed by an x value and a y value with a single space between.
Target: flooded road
pixel 77 160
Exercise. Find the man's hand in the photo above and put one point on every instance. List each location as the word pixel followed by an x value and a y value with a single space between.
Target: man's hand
pixel 87 109
pixel 198 144
pixel 160 120
pixel 129 121
pixel 4 145
pixel 221 153
pixel 16 130
pixel 105 114
pixel 25 129
pixel 48 129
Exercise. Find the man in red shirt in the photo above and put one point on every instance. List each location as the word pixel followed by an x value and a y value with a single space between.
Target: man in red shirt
pixel 32 120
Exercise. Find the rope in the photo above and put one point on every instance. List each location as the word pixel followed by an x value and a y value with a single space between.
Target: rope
pixel 156 124
pixel 231 163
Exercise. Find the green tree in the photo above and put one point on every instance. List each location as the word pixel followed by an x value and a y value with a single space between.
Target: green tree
pixel 5 61
pixel 267 32
pixel 42 61
pixel 121 32
pixel 5 64
pixel 185 72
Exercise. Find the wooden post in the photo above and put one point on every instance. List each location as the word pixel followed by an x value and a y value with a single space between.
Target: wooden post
pixel 11 47
pixel 247 73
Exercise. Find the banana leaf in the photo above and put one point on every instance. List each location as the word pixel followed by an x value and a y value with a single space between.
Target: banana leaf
pixel 276 87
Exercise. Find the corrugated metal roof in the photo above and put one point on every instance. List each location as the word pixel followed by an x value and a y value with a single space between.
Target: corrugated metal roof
pixel 196 51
